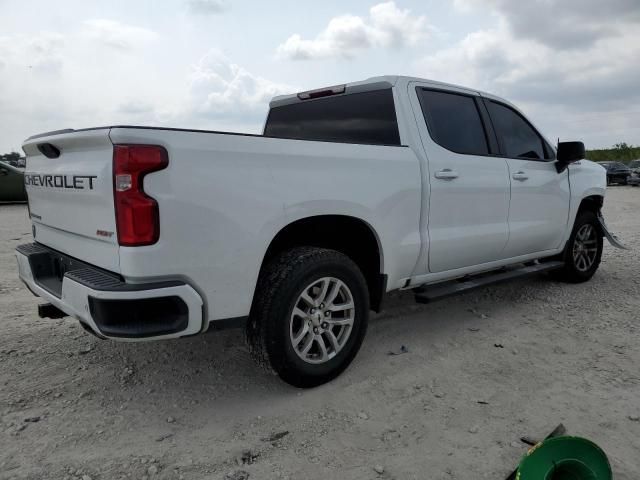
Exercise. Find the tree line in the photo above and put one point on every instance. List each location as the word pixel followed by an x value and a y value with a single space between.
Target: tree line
pixel 620 152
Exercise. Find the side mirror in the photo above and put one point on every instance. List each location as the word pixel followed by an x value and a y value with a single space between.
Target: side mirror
pixel 569 152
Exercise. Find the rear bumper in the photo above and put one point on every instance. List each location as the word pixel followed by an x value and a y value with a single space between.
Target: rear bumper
pixel 106 304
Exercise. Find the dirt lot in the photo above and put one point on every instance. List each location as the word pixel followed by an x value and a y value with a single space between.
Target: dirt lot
pixel 481 371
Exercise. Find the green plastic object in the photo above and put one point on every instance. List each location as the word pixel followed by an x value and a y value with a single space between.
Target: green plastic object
pixel 565 458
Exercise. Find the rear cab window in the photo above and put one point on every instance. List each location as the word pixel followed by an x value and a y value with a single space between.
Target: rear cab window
pixel 454 121
pixel 363 118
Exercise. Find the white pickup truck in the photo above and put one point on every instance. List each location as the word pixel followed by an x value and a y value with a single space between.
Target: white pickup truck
pixel 351 192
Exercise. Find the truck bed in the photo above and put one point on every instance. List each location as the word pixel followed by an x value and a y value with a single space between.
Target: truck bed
pixel 222 198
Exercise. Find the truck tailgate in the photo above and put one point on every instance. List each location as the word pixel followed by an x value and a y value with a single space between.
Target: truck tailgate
pixel 71 195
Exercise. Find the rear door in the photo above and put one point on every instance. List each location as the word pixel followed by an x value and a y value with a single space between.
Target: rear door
pixel 539 208
pixel 468 203
pixel 70 192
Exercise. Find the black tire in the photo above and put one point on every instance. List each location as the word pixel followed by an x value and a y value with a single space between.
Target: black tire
pixel 279 287
pixel 571 272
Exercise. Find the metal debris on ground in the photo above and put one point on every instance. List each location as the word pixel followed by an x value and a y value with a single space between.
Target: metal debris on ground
pixel 274 437
pixel 403 350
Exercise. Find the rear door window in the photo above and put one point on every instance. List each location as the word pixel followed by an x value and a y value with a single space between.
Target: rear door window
pixel 518 137
pixel 366 117
pixel 454 121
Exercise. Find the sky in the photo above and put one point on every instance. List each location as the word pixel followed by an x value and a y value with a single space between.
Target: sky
pixel 573 66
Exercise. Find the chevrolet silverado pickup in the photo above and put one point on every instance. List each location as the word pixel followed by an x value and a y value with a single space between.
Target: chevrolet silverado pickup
pixel 350 192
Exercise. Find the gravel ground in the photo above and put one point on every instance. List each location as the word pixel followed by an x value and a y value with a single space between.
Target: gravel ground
pixel 482 370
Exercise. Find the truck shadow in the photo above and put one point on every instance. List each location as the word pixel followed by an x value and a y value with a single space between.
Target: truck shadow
pixel 218 365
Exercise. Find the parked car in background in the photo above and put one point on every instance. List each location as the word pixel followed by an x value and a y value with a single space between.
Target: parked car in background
pixel 11 184
pixel 14 159
pixel 634 166
pixel 617 172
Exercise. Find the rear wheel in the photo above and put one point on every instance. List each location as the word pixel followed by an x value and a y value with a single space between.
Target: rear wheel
pixel 583 251
pixel 309 316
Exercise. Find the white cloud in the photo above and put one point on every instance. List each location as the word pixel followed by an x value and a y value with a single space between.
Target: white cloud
pixel 560 87
pixel 345 35
pixel 73 79
pixel 221 89
pixel 54 80
pixel 563 24
pixel 40 54
pixel 394 27
pixel 206 7
pixel 574 63
pixel 499 61
pixel 116 34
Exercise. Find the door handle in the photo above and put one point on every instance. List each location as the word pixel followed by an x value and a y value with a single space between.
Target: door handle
pixel 446 174
pixel 520 176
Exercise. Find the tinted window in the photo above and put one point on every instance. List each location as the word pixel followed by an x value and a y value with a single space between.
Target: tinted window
pixel 454 122
pixel 367 117
pixel 519 139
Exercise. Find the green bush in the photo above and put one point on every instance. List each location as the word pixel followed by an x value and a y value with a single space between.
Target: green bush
pixel 620 152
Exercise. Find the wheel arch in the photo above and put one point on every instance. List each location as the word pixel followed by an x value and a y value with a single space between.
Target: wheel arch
pixel 591 203
pixel 349 235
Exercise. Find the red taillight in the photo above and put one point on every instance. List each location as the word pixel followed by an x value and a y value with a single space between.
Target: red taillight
pixel 137 216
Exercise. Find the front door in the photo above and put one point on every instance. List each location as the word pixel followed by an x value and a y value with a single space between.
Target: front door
pixel 539 208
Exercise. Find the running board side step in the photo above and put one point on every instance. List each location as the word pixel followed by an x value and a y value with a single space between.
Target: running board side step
pixel 437 291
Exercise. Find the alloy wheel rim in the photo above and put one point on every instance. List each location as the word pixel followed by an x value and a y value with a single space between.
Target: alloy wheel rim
pixel 585 247
pixel 322 320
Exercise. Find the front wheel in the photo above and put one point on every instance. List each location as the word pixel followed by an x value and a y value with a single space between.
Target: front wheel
pixel 583 251
pixel 309 316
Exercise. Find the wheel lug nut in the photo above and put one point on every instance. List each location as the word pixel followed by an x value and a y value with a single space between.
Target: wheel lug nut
pixel 313 310
pixel 327 314
pixel 322 305
pixel 325 325
pixel 315 329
